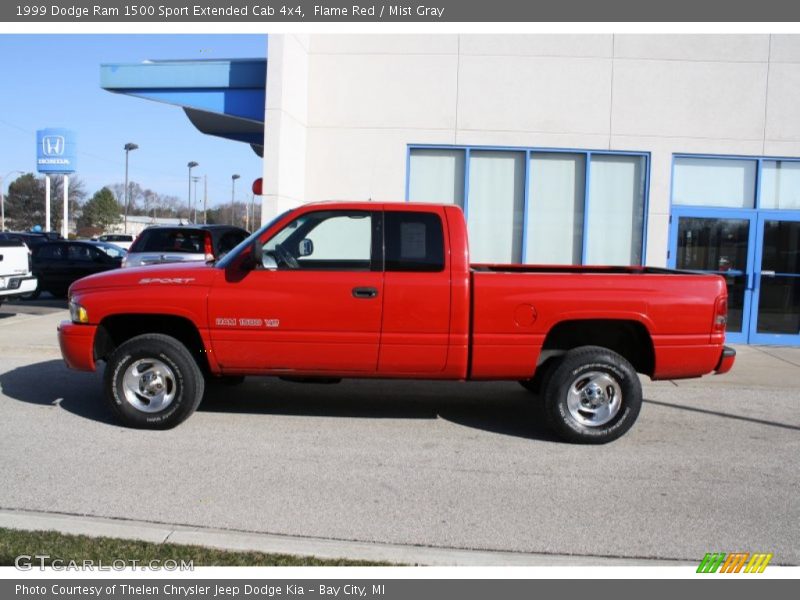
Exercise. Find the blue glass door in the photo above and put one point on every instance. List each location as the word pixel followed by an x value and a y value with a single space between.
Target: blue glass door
pixel 776 297
pixel 719 241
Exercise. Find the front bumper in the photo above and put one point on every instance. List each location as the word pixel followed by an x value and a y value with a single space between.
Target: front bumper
pixel 77 345
pixel 726 360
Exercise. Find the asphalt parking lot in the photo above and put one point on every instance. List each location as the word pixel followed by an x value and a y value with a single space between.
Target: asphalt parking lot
pixel 711 465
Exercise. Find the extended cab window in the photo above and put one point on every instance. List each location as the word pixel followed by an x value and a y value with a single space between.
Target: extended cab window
pixel 336 240
pixel 414 241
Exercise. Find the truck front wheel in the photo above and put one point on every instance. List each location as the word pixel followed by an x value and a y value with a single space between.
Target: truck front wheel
pixel 593 396
pixel 152 382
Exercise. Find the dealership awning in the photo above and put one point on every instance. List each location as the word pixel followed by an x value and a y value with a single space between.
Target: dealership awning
pixel 224 98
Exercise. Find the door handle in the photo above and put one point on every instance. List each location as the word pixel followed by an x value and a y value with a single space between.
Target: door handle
pixel 365 292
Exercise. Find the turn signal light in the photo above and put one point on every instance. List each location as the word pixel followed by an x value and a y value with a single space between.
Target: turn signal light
pixel 78 313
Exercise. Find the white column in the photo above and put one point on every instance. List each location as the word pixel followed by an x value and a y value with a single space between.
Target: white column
pixel 286 114
pixel 65 220
pixel 47 202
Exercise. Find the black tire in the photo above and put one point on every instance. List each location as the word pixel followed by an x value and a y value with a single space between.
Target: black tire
pixel 600 376
pixel 183 381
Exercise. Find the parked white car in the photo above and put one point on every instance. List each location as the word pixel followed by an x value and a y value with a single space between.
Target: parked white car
pixel 122 240
pixel 15 270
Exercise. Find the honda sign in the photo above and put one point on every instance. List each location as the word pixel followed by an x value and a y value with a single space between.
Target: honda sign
pixel 55 151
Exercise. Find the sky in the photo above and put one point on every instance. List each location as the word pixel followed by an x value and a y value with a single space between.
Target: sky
pixel 54 81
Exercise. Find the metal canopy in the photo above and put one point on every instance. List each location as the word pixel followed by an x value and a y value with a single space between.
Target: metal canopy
pixel 224 98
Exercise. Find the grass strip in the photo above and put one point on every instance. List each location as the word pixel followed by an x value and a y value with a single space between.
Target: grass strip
pixel 65 548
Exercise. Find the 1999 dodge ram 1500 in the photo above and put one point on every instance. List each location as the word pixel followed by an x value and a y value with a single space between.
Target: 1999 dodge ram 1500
pixel 334 290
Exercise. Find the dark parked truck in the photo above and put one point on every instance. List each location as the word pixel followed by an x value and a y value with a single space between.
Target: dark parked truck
pixel 335 290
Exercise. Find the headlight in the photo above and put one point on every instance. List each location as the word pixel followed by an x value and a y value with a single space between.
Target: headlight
pixel 77 313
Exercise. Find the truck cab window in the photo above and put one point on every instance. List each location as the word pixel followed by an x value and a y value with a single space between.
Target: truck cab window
pixel 324 240
pixel 414 241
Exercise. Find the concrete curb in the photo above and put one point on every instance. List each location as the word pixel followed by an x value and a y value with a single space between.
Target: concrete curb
pixel 299 546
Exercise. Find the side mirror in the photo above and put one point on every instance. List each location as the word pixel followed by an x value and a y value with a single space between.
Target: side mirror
pixel 306 248
pixel 261 260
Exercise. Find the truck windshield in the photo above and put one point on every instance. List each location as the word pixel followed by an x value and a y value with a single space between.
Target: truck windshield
pixel 231 256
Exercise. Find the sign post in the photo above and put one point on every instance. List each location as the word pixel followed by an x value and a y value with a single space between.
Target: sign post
pixel 47 202
pixel 65 219
pixel 56 151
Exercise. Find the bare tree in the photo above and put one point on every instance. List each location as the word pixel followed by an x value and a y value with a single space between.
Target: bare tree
pixel 136 196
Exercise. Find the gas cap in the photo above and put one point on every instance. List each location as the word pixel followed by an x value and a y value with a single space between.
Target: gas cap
pixel 525 315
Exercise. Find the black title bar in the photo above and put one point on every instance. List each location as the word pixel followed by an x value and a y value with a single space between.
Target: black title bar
pixel 370 11
pixel 731 588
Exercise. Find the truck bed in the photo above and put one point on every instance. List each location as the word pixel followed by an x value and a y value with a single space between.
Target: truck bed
pixel 516 307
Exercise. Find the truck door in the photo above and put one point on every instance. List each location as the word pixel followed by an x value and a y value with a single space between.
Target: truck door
pixel 315 307
pixel 416 298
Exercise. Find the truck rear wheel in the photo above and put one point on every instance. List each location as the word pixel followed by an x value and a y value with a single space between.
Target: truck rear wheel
pixel 593 396
pixel 152 382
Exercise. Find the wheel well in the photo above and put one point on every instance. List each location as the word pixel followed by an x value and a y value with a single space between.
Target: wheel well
pixel 629 339
pixel 118 329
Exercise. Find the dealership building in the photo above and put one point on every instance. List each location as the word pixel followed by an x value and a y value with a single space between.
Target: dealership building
pixel 661 150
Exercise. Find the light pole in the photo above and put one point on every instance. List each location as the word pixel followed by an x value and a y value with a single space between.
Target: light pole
pixel 205 198
pixel 128 147
pixel 3 200
pixel 195 179
pixel 234 177
pixel 191 164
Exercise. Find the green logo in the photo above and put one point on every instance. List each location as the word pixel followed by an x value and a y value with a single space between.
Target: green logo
pixel 735 562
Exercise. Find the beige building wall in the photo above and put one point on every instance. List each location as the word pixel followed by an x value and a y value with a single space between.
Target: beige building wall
pixel 342 109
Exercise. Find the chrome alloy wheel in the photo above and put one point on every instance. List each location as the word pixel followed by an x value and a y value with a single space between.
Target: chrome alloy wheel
pixel 149 385
pixel 594 398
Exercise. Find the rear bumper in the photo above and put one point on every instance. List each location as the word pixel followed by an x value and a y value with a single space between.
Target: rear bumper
pixel 726 360
pixel 77 345
pixel 15 286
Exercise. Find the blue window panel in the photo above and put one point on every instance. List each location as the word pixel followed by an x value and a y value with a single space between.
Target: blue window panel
pixel 528 174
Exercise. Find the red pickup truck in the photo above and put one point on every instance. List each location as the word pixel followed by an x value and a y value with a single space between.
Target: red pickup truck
pixel 332 290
